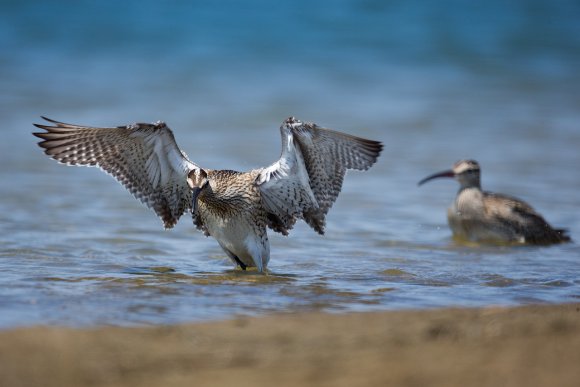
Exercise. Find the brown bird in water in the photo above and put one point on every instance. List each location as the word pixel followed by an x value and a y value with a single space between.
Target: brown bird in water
pixel 481 216
pixel 233 207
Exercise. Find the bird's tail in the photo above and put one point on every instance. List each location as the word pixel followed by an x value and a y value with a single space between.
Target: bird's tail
pixel 564 235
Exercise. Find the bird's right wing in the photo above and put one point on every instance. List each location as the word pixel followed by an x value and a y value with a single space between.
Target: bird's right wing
pixel 143 157
pixel 305 182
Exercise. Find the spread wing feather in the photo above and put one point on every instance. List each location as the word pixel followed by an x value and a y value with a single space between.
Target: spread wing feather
pixel 143 157
pixel 305 182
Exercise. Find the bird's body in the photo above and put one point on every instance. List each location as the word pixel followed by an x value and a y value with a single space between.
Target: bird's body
pixel 235 208
pixel 231 211
pixel 486 217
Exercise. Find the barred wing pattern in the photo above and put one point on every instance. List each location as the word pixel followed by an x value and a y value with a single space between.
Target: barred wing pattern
pixel 143 157
pixel 305 182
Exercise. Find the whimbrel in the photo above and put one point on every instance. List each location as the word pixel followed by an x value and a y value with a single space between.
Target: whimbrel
pixel 235 208
pixel 480 216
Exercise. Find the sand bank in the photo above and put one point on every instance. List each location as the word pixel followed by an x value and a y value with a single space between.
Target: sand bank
pixel 524 346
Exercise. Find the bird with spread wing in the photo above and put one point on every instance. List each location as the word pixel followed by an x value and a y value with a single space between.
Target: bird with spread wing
pixel 235 208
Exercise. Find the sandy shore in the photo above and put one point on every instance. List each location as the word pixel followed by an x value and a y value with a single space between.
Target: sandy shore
pixel 525 346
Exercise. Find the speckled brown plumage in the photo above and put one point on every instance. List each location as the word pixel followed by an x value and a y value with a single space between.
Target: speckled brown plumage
pixel 236 208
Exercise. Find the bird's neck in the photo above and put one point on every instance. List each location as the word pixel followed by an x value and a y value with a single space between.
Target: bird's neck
pixel 470 184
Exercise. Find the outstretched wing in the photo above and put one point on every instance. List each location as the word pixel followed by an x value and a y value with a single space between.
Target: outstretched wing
pixel 143 157
pixel 305 182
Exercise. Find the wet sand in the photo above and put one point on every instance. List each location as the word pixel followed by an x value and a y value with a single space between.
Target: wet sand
pixel 523 346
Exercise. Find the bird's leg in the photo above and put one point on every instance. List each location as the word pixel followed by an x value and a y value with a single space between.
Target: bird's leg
pixel 240 263
pixel 234 257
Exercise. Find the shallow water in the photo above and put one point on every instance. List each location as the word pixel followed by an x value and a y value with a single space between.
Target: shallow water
pixel 435 83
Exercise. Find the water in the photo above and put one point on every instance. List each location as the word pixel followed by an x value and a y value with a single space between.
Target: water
pixel 435 81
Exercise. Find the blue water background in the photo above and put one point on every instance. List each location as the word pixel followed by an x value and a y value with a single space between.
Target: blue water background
pixel 437 81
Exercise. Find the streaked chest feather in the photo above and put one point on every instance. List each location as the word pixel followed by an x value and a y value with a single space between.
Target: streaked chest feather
pixel 230 200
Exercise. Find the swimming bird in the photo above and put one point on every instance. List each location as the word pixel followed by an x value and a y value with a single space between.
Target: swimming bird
pixel 481 216
pixel 235 208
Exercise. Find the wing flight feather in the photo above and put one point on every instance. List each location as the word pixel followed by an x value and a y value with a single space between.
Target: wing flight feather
pixel 143 157
pixel 305 182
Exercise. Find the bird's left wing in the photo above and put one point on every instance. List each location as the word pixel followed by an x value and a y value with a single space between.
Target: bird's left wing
pixel 305 182
pixel 143 157
pixel 516 213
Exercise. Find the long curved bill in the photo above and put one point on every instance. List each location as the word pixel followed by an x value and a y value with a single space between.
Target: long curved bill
pixel 448 173
pixel 194 194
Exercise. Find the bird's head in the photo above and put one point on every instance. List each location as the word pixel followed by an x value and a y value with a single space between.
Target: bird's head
pixel 197 181
pixel 466 172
